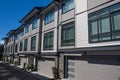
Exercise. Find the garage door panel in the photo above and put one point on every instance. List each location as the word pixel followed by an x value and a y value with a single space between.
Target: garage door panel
pixel 45 68
pixel 94 69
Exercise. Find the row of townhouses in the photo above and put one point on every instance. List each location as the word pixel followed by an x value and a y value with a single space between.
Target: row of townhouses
pixel 80 38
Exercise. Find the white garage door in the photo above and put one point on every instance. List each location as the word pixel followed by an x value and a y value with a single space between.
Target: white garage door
pixel 22 61
pixel 45 68
pixel 94 69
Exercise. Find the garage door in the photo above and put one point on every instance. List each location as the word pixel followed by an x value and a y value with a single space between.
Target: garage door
pixel 45 68
pixel 22 61
pixel 93 68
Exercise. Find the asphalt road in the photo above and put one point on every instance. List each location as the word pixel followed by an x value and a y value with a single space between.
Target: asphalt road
pixel 7 73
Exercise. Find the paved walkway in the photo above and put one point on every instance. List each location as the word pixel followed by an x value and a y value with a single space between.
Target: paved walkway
pixel 8 72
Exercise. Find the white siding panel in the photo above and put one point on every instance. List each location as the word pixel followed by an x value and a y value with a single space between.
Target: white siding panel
pixel 80 5
pixel 96 69
pixel 82 33
pixel 45 68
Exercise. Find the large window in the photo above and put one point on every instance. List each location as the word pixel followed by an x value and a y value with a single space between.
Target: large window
pixel 25 44
pixel 16 48
pixel 48 41
pixel 67 5
pixel 34 24
pixel 26 28
pixel 68 34
pixel 104 25
pixel 49 17
pixel 21 46
pixel 33 43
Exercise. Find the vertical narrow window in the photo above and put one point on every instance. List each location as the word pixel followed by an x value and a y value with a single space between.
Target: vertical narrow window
pixel 11 48
pixel 22 32
pixel 25 44
pixel 16 48
pixel 49 17
pixel 33 43
pixel 68 34
pixel 34 24
pixel 26 28
pixel 48 41
pixel 67 5
pixel 21 46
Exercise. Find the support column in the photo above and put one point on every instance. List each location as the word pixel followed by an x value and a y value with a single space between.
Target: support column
pixel 61 65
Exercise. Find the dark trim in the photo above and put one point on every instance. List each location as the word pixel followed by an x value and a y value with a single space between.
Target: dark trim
pixel 67 11
pixel 95 7
pixel 99 17
pixel 48 30
pixel 47 7
pixel 48 53
pixel 39 8
pixel 48 22
pixel 67 20
pixel 100 48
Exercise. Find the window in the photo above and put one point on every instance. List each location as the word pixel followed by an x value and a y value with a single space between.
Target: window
pixel 22 32
pixel 67 5
pixel 104 24
pixel 16 48
pixel 21 46
pixel 48 41
pixel 34 24
pixel 68 34
pixel 49 17
pixel 11 48
pixel 17 36
pixel 26 28
pixel 33 43
pixel 8 49
pixel 25 44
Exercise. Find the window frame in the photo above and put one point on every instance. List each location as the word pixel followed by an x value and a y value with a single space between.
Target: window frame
pixel 49 15
pixel 21 46
pixel 33 48
pixel 34 22
pixel 67 27
pixel 46 44
pixel 26 28
pixel 94 16
pixel 16 48
pixel 64 4
pixel 25 44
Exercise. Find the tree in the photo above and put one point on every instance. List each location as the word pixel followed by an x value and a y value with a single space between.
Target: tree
pixel 1 51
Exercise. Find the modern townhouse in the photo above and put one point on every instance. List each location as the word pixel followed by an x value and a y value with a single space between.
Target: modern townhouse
pixel 10 46
pixel 81 38
pixel 49 40
pixel 29 44
pixel 89 40
pixel 5 48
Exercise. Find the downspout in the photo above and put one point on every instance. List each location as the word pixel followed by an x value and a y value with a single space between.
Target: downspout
pixel 13 48
pixel 56 3
pixel 39 40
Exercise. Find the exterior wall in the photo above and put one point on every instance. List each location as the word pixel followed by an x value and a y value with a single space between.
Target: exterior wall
pixel 82 25
pixel 28 35
pixel 65 18
pixel 45 67
pixel 95 68
pixel 50 27
pixel 54 43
